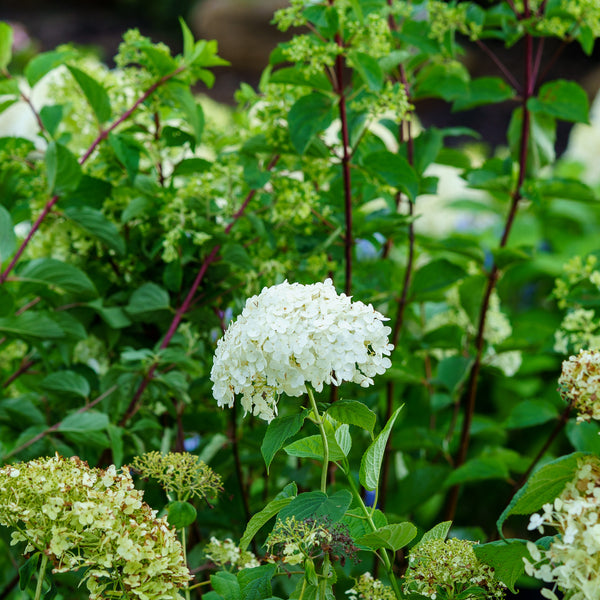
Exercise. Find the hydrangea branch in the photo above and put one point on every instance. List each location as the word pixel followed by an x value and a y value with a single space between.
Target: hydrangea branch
pixel 469 409
pixel 41 573
pixel 318 420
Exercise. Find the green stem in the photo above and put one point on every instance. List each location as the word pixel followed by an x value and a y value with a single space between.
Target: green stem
pixel 40 581
pixel 368 516
pixel 319 422
pixel 183 542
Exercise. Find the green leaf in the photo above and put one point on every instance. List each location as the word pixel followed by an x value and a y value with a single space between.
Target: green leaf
pixel 31 325
pixel 268 512
pixel 63 169
pixel 309 115
pixel 94 92
pixel 394 170
pixel 357 525
pixel 368 68
pixel 506 558
pixel 226 585
pixel 565 100
pixel 237 256
pixel 298 76
pixel 529 413
pixel 188 41
pixel 370 464
pixel 446 81
pixel 95 223
pixel 27 570
pixel 114 316
pixel 6 42
pixel 7 234
pixel 452 371
pixel 438 532
pixel 584 436
pixel 317 504
pixel 52 272
pixel 542 487
pixel 484 90
pixel 51 116
pixel 42 64
pixel 353 412
pixel 312 447
pixel 434 277
pixel 147 299
pixel 192 166
pixel 255 584
pixel 392 537
pixel 180 514
pixel 127 150
pixel 478 469
pixel 278 432
pixel 192 110
pixel 84 422
pixel 343 438
pixel 67 382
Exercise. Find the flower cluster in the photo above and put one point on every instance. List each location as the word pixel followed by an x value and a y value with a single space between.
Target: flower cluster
pixel 452 567
pixel 83 517
pixel 294 541
pixel 368 588
pixel 292 334
pixel 579 384
pixel 226 552
pixel 182 475
pixel 572 560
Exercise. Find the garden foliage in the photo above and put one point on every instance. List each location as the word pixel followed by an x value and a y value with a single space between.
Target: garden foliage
pixel 346 438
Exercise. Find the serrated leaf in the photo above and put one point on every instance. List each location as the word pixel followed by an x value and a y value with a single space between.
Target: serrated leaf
pixel 84 422
pixel 31 325
pixel 343 438
pixel 542 487
pixel 565 100
pixel 357 525
pixel 317 504
pixel 267 513
pixel 180 514
pixel 51 115
pixel 392 537
pixel 192 166
pixel 438 532
pixel 394 170
pixel 505 557
pixel 226 585
pixel 7 235
pixel 27 569
pixel 255 584
pixel 63 170
pixel 370 465
pixel 298 76
pixel 67 382
pixel 369 70
pixel 309 115
pixel 95 94
pixel 147 299
pixel 95 223
pixel 312 447
pixel 353 412
pixel 127 150
pixel 43 63
pixel 53 272
pixel 278 432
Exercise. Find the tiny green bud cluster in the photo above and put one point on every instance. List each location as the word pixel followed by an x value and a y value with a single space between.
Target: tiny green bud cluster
pixel 182 475
pixel 368 588
pixel 226 552
pixel 83 517
pixel 579 384
pixel 451 567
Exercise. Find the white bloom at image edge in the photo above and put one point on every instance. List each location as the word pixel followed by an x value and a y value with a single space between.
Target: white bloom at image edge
pixel 293 334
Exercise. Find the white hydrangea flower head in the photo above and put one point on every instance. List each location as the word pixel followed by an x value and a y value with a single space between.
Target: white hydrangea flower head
pixel 572 560
pixel 291 335
pixel 579 383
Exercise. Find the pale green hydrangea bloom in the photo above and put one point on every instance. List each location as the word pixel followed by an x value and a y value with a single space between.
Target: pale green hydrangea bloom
pixel 579 384
pixel 226 552
pixel 368 588
pixel 94 519
pixel 291 335
pixel 572 560
pixel 452 567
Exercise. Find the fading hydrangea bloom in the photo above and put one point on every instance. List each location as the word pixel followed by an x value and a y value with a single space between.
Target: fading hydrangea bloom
pixel 572 560
pixel 451 567
pixel 226 552
pixel 93 519
pixel 368 588
pixel 292 334
pixel 579 384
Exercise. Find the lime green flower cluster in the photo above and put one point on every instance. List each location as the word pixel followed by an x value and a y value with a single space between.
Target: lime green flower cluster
pixel 579 384
pixel 452 567
pixel 368 588
pixel 182 475
pixel 447 17
pixel 82 517
pixel 226 552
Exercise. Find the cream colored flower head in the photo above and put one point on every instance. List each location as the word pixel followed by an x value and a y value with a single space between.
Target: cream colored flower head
pixel 291 335
pixel 579 384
